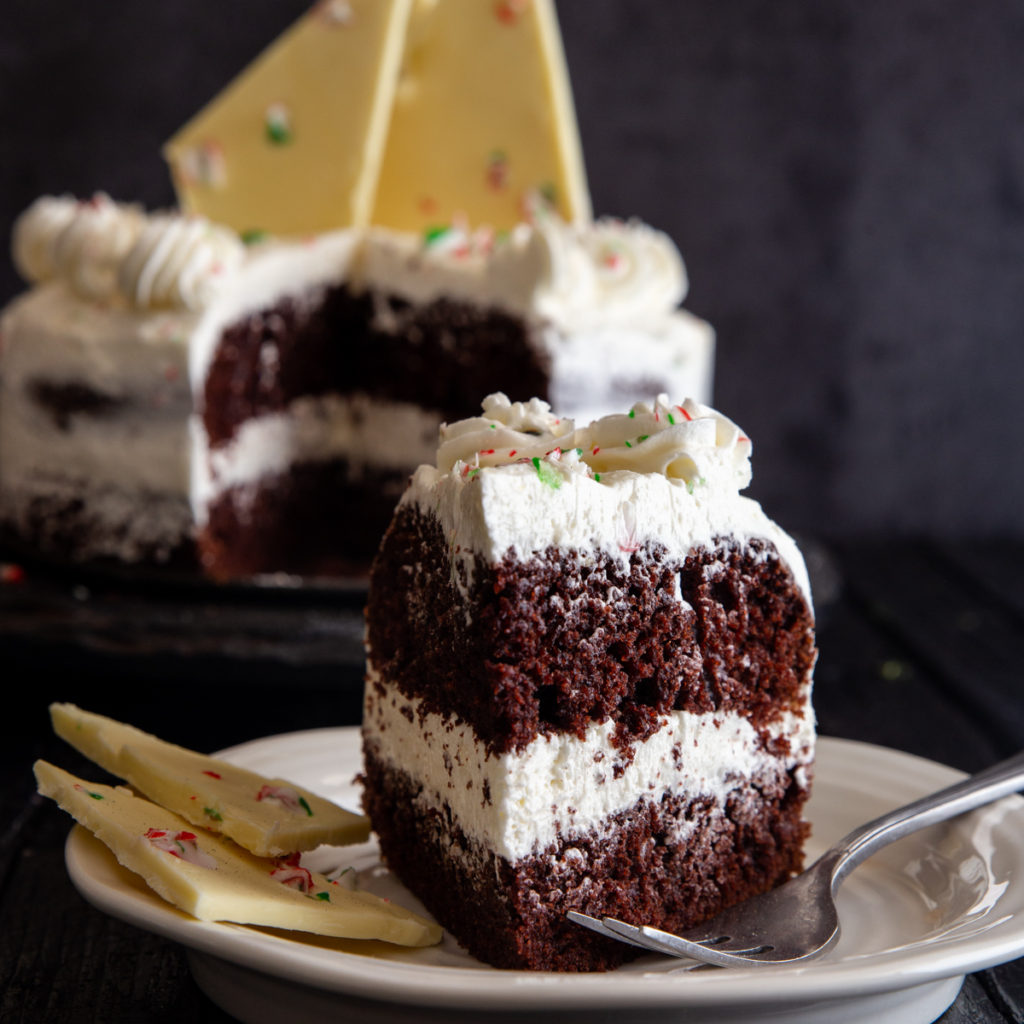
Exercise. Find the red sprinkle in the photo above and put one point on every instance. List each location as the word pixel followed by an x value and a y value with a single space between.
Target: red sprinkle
pixel 486 451
pixel 508 12
pixel 511 453
pixel 684 412
pixel 213 775
pixel 11 573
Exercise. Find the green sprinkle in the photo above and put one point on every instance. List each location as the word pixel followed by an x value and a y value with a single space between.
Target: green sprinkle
pixel 278 125
pixel 494 426
pixel 689 487
pixel 893 669
pixel 95 796
pixel 254 235
pixel 431 235
pixel 546 473
pixel 597 477
pixel 212 812
pixel 642 437
pixel 632 413
pixel 305 806
pixel 628 445
pixel 579 451
pixel 325 896
pixel 671 419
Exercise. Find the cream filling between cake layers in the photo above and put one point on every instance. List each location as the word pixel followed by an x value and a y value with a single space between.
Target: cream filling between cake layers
pixel 370 434
pixel 559 787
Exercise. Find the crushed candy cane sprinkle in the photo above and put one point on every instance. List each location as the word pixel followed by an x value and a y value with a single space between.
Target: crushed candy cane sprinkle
pixel 686 442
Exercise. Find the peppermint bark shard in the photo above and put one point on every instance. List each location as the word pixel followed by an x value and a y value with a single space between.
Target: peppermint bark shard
pixel 212 879
pixel 268 817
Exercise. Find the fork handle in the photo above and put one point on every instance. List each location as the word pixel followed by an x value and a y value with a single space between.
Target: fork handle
pixel 1000 780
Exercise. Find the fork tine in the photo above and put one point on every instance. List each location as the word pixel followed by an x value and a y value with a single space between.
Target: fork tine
pixel 629 935
pixel 665 942
pixel 600 926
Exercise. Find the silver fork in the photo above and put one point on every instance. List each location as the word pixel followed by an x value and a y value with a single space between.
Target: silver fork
pixel 799 921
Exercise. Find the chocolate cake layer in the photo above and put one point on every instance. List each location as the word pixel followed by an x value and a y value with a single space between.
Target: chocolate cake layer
pixel 560 640
pixel 63 400
pixel 77 524
pixel 441 356
pixel 513 914
pixel 315 519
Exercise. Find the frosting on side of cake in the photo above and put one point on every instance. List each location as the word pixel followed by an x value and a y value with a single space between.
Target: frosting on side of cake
pixel 520 479
pixel 519 803
pixel 112 382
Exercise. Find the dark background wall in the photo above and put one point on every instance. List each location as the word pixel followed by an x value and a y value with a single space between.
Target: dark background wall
pixel 845 180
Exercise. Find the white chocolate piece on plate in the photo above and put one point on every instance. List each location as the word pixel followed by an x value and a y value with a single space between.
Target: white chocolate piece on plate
pixel 212 879
pixel 269 817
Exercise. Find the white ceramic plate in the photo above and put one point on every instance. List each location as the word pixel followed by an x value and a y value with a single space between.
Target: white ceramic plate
pixel 916 918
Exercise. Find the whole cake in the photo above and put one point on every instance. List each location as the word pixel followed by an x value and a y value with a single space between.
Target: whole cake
pixel 168 392
pixel 588 681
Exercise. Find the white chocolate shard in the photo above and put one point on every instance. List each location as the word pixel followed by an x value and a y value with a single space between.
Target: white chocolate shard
pixel 269 817
pixel 212 879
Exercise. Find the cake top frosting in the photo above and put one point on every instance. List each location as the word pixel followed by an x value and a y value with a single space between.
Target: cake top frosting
pixel 114 251
pixel 687 442
pixel 107 251
pixel 520 479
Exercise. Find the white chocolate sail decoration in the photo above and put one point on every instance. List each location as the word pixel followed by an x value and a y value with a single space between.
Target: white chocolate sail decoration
pixel 214 880
pixel 268 817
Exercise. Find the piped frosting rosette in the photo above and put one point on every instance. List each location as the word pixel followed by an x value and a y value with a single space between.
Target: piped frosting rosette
pixel 507 432
pixel 178 262
pixel 106 250
pixel 689 443
pixel 82 242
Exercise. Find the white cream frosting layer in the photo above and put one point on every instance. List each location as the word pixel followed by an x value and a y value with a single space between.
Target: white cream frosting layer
pixel 357 428
pixel 574 275
pixel 105 250
pixel 561 786
pixel 519 479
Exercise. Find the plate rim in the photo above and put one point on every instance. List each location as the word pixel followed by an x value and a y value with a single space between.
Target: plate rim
pixel 475 988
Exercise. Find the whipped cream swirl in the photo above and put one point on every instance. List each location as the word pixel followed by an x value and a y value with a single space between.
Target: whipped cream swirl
pixel 624 267
pixel 104 250
pixel 179 262
pixel 82 242
pixel 507 432
pixel 567 273
pixel 687 442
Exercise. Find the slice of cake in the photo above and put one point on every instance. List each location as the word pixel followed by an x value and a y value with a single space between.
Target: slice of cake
pixel 588 681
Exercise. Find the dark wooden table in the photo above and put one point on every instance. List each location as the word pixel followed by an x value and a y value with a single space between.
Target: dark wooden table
pixel 921 649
